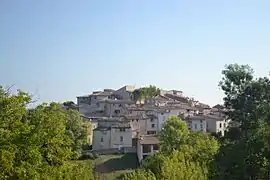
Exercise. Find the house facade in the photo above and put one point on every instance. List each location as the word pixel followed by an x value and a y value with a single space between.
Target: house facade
pixel 147 145
pixel 138 124
pixel 114 108
pixel 90 103
pixel 196 123
pixel 217 124
pixel 93 98
pixel 112 134
pixel 123 93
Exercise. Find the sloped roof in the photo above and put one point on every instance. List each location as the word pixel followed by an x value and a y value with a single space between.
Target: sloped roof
pixel 149 139
pixel 218 106
pixel 176 97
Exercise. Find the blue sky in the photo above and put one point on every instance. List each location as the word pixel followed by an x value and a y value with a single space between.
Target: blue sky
pixel 60 49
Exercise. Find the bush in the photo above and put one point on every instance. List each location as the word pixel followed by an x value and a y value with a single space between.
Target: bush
pixel 96 155
pixel 88 155
pixel 139 175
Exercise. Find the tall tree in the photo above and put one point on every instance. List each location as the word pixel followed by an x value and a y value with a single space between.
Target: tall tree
pixel 173 135
pixel 246 154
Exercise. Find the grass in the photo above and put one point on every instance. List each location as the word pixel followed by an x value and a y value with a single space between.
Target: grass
pixel 111 167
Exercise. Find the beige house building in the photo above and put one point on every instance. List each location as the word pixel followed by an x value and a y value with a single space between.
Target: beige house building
pixel 116 108
pixel 113 133
pixel 93 98
pixel 147 145
pixel 217 123
pixel 96 102
pixel 89 104
pixel 124 93
pixel 196 123
pixel 138 124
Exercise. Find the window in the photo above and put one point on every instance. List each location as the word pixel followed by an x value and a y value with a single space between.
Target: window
pixel 201 126
pixel 137 120
pixel 101 139
pixel 153 125
pixel 120 105
pixel 201 121
pixel 146 148
pixel 155 147
pixel 195 126
pixel 162 113
pixel 122 129
pixel 220 125
pixel 121 138
pixel 152 119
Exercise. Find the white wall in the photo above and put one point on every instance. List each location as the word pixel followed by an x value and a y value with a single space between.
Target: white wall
pixel 139 151
pixel 97 135
pixel 152 121
pixel 101 106
pixel 96 99
pixel 112 138
pixel 221 126
pixel 124 93
pixel 162 118
pixel 217 126
pixel 110 109
pixel 116 135
pixel 84 109
pixel 198 125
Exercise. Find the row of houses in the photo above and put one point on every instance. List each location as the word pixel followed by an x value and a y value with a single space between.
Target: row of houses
pixel 120 122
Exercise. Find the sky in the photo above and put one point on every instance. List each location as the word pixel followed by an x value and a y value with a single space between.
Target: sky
pixel 57 50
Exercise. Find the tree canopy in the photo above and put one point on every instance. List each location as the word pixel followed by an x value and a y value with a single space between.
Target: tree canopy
pixel 146 92
pixel 245 153
pixel 38 143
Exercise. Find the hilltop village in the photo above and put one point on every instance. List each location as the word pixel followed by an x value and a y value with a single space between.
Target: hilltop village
pixel 123 121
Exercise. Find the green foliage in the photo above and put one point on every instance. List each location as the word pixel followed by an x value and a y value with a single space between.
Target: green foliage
pixel 183 154
pixel 139 174
pixel 68 103
pixel 245 155
pixel 182 166
pixel 146 92
pixel 38 143
pixel 77 130
pixel 155 163
pixel 174 134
